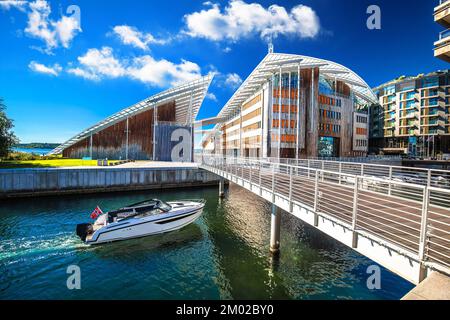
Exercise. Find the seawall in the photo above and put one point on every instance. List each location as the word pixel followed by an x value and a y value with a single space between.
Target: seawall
pixel 58 181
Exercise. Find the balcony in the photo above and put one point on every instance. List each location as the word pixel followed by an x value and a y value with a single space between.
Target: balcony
pixel 442 46
pixel 442 13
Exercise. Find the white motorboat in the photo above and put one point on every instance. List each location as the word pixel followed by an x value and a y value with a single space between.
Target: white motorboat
pixel 141 219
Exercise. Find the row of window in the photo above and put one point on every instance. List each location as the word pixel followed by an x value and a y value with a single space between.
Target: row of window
pixel 407 95
pixel 429 92
pixel 361 143
pixel 293 94
pixel 361 119
pixel 284 123
pixel 430 102
pixel 252 102
pixel 361 131
pixel 330 101
pixel 284 108
pixel 330 127
pixel 328 114
pixel 407 104
pixel 289 138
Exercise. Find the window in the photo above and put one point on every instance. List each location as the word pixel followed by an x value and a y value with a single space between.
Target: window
pixel 430 82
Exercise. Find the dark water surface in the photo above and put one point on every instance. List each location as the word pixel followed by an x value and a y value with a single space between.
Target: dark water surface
pixel 223 255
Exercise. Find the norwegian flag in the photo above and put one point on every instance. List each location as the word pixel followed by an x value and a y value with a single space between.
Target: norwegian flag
pixel 97 211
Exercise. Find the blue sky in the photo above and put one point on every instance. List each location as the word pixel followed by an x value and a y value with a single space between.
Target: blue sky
pixel 60 74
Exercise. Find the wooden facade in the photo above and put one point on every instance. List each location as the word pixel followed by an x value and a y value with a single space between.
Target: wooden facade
pixel 132 137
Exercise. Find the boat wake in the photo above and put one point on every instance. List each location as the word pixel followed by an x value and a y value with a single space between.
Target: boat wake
pixel 60 243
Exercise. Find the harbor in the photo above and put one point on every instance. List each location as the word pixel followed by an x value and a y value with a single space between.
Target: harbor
pixel 224 156
pixel 224 255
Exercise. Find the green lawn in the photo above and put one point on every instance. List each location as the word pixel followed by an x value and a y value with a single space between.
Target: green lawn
pixel 54 163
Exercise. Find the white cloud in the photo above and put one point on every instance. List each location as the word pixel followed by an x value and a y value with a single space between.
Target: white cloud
pixel 211 96
pixel 132 36
pixel 8 4
pixel 66 29
pixel 240 19
pixel 53 33
pixel 233 80
pixel 40 68
pixel 99 64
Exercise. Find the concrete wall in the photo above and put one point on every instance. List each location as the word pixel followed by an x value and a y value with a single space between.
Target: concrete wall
pixel 34 182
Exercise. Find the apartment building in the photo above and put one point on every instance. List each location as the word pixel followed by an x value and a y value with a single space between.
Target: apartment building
pixel 442 16
pixel 412 116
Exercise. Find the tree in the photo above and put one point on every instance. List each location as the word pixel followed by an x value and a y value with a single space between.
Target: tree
pixel 7 137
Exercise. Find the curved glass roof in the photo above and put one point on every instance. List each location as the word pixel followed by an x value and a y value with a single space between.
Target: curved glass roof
pixel 290 62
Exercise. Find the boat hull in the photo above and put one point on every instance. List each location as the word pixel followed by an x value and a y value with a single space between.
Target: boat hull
pixel 138 228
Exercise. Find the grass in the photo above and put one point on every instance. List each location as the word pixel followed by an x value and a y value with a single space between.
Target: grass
pixel 47 163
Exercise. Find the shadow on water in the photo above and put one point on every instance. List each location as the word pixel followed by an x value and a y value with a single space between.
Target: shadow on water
pixel 141 248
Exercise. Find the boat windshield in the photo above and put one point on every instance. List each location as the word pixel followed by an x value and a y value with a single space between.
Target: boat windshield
pixel 164 206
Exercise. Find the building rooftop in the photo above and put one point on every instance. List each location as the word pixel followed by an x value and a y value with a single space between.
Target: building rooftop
pixel 290 62
pixel 402 79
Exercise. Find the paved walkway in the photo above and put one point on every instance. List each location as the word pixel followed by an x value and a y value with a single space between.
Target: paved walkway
pixel 435 287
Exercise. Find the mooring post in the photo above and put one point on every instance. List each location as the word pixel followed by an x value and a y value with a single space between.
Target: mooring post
pixel 221 187
pixel 275 230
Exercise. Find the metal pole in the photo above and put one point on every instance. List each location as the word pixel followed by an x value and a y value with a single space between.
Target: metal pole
pixel 316 198
pixel 273 183
pixel 275 230
pixel 260 183
pixel 390 181
pixel 423 233
pixel 355 213
pixel 290 189
pixel 221 187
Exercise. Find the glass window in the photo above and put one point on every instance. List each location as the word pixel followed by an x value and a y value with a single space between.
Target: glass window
pixel 430 82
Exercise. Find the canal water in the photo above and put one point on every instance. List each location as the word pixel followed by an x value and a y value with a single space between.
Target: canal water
pixel 223 255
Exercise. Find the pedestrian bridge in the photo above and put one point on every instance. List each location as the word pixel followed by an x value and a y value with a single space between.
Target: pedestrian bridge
pixel 398 217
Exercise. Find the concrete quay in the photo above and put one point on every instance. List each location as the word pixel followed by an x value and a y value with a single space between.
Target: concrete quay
pixel 142 175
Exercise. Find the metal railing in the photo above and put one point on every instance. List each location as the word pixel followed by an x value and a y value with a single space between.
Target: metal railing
pixel 422 176
pixel 414 217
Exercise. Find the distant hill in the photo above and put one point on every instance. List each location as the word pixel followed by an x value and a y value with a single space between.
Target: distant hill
pixel 37 145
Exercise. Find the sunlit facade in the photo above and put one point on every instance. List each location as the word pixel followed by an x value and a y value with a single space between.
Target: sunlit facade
pixel 294 106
